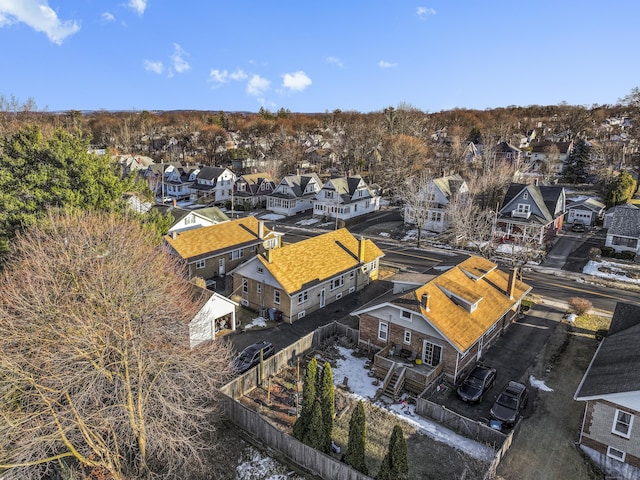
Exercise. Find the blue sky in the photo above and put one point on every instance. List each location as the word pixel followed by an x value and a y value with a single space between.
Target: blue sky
pixel 360 55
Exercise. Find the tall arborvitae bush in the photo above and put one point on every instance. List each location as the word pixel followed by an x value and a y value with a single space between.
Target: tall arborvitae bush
pixel 308 399
pixel 354 455
pixel 314 435
pixel 326 397
pixel 395 465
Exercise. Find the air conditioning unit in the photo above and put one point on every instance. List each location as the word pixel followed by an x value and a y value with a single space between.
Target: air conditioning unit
pixel 352 289
pixel 338 296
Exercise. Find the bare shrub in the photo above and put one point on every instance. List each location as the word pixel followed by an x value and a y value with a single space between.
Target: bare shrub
pixel 580 305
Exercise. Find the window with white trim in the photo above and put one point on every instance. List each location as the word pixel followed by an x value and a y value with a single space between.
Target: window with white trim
pixel 407 336
pixel 406 314
pixel 260 270
pixel 189 219
pixel 615 453
pixel 276 297
pixel 200 263
pixel 236 254
pixel 383 331
pixel 303 297
pixel 336 282
pixel 622 424
pixel 525 196
pixel 258 288
pixel 245 285
pixel 523 208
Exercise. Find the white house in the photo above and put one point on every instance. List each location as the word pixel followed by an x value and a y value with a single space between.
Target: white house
pixel 212 185
pixel 185 219
pixel 294 194
pixel 216 317
pixel 344 198
pixel 437 194
pixel 623 234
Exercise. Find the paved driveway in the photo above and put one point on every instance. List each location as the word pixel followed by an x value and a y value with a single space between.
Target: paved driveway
pixel 513 356
pixel 571 250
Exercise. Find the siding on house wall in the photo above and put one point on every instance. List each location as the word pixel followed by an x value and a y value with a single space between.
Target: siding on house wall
pixel 598 424
pixel 211 264
pixel 289 305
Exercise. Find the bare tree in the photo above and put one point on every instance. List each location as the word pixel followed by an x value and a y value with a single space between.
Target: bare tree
pixel 418 197
pixel 96 371
pixel 472 225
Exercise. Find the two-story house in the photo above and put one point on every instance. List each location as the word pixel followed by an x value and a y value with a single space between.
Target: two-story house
pixel 449 321
pixel 212 185
pixel 610 435
pixel 251 190
pixel 302 277
pixel 213 251
pixel 344 198
pixel 294 194
pixel 436 196
pixel 530 214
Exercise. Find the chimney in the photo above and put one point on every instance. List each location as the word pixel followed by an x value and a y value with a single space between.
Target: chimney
pixel 424 301
pixel 175 202
pixel 361 250
pixel 261 229
pixel 268 253
pixel 174 235
pixel 511 287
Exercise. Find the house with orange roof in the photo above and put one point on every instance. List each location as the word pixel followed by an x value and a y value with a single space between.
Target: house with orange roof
pixel 302 277
pixel 215 250
pixel 448 322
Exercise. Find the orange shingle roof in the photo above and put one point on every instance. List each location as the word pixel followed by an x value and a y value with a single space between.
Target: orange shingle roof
pixel 220 237
pixel 317 259
pixel 489 292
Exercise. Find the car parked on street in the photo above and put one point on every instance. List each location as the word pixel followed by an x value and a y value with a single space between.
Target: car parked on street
pixel 250 356
pixel 510 403
pixel 477 383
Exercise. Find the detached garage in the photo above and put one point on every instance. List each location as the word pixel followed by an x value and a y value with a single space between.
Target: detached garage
pixel 587 211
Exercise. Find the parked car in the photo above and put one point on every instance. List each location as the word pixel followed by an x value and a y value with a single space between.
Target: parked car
pixel 578 227
pixel 477 383
pixel 250 356
pixel 511 401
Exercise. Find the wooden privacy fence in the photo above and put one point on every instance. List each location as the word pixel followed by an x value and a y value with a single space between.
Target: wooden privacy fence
pixel 253 423
pixel 309 458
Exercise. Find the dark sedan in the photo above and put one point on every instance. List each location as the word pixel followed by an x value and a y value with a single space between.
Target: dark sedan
pixel 511 401
pixel 477 383
pixel 250 356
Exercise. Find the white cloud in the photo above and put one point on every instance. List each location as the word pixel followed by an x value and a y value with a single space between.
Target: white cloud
pixel 108 17
pixel 334 61
pixel 179 63
pixel 424 12
pixel 223 76
pixel 155 67
pixel 296 81
pixel 383 64
pixel 39 16
pixel 257 85
pixel 138 5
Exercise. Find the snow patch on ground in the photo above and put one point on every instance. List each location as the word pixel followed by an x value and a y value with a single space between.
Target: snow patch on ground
pixel 539 384
pixel 272 216
pixel 256 466
pixel 384 234
pixel 412 235
pixel 616 272
pixel 259 322
pixel 309 221
pixel 362 387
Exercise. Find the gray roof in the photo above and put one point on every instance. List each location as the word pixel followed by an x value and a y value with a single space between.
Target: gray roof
pixel 615 367
pixel 625 222
pixel 298 184
pixel 589 203
pixel 210 173
pixel 544 196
